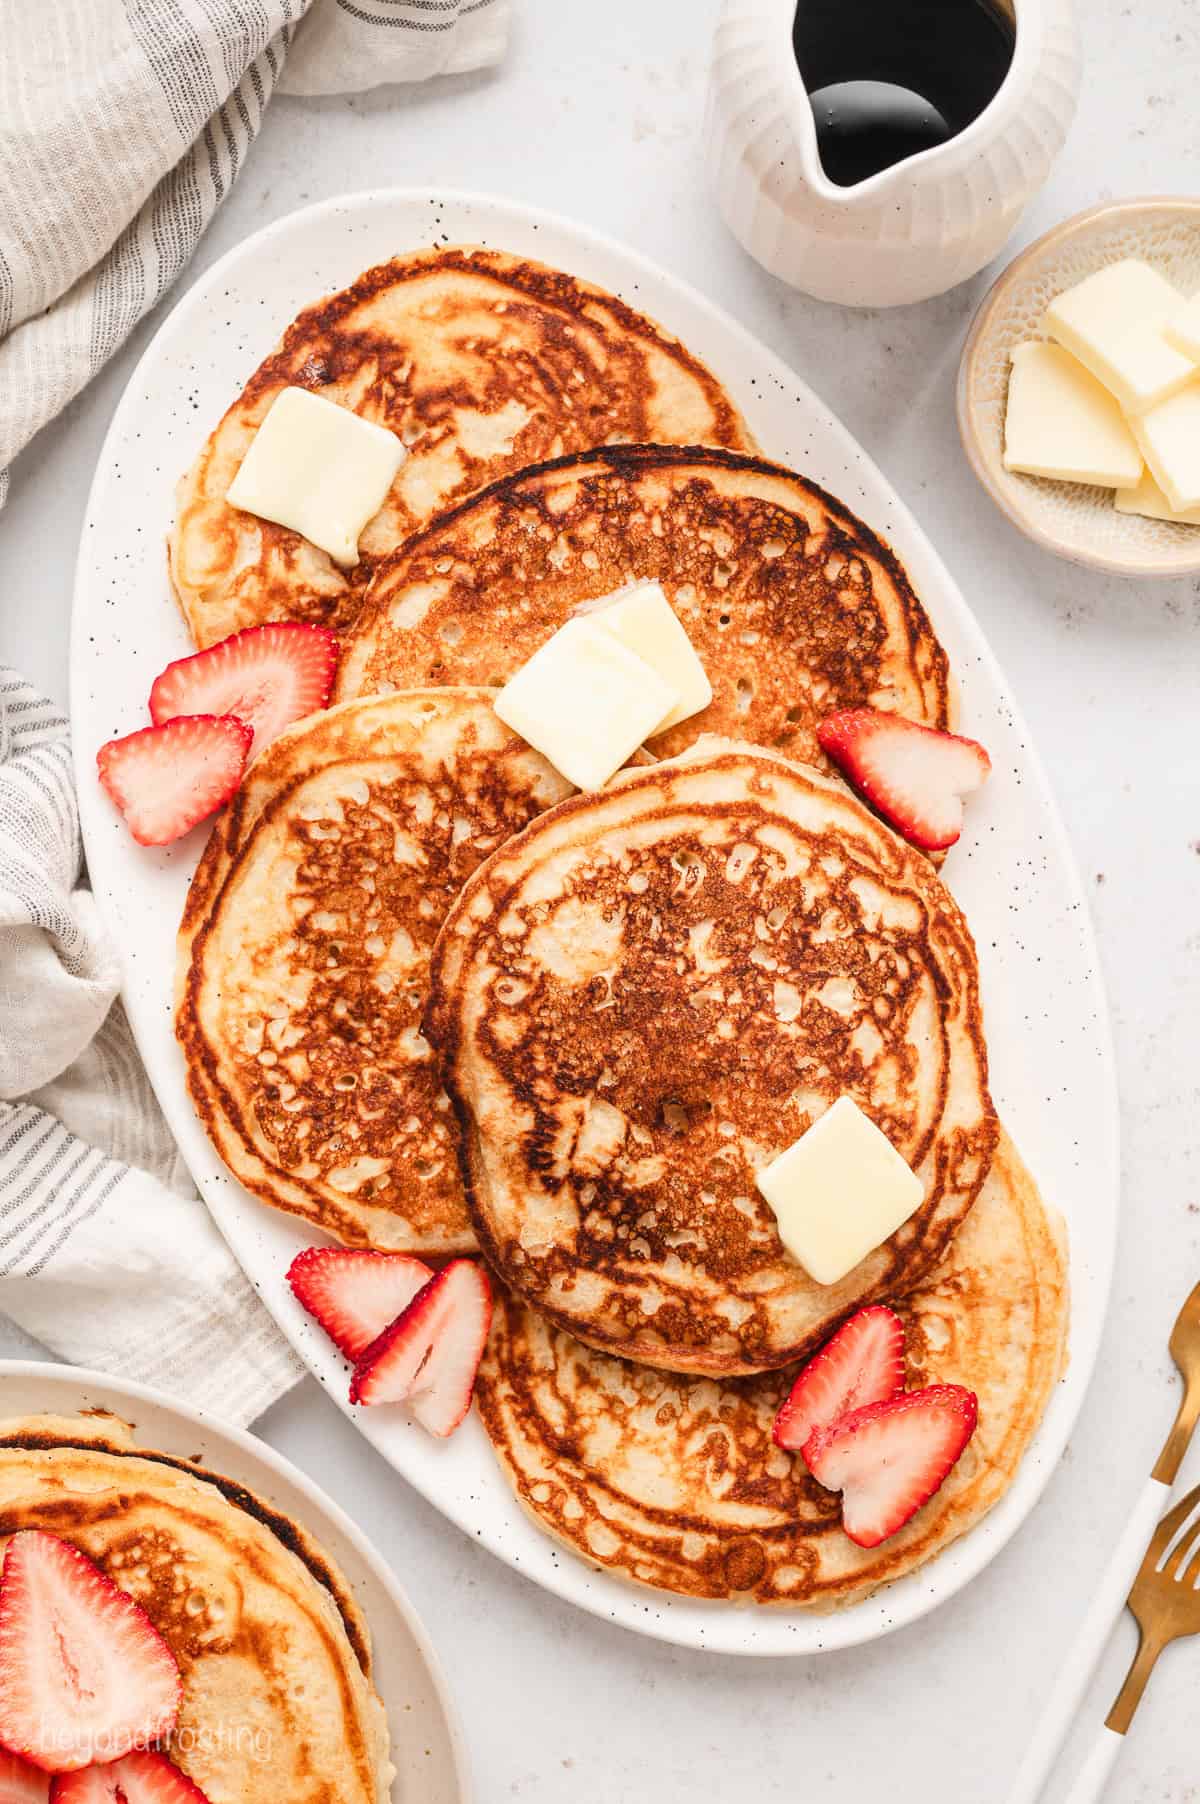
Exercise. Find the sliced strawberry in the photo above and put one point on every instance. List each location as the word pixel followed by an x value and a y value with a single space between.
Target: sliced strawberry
pixel 268 676
pixel 889 1458
pixel 84 1674
pixel 863 1363
pixel 915 776
pixel 166 779
pixel 428 1358
pixel 21 1783
pixel 140 1778
pixel 355 1295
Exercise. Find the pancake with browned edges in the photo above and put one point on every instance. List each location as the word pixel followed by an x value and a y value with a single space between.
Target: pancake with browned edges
pixel 304 954
pixel 273 1652
pixel 793 605
pixel 481 363
pixel 676 1483
pixel 648 995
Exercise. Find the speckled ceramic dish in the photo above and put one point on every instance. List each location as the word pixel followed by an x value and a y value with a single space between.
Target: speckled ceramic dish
pixel 1050 1060
pixel 1070 518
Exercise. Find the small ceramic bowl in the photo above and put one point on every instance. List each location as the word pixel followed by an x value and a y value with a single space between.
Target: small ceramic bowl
pixel 1071 518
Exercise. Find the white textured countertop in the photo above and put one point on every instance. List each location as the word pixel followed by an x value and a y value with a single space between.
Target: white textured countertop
pixel 596 114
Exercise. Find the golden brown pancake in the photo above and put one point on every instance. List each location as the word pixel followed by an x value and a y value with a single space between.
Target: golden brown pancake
pixel 793 605
pixel 676 1483
pixel 304 954
pixel 481 362
pixel 647 996
pixel 272 1648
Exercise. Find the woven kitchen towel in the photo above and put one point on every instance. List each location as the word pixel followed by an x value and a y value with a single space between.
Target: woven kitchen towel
pixel 123 125
pixel 107 1255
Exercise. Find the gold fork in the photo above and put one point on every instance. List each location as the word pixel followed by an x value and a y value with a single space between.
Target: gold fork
pixel 1166 1603
pixel 1185 1351
pixel 1108 1594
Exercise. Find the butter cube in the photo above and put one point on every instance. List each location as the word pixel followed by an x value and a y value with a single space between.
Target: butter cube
pixel 643 619
pixel 839 1192
pixel 1169 436
pixel 1149 500
pixel 317 469
pixel 1060 422
pixel 1182 328
pixel 586 702
pixel 1113 322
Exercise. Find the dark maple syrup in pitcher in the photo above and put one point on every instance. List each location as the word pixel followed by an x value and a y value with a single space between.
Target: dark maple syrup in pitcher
pixel 889 78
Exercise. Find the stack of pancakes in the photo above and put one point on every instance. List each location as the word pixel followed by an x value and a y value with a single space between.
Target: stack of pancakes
pixel 273 1652
pixel 430 1000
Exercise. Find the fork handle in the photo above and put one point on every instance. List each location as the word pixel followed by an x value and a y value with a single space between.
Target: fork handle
pixel 1093 1775
pixel 1108 1598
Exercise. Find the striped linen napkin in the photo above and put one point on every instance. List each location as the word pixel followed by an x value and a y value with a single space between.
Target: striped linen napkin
pixel 123 124
pixel 107 1255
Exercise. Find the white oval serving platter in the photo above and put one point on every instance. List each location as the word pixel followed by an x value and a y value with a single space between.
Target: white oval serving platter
pixel 1051 1058
pixel 427 1744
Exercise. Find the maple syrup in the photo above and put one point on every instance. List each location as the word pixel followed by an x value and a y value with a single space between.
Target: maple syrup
pixel 888 79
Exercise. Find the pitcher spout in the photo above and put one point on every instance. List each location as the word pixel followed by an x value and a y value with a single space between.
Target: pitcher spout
pixel 876 152
pixel 891 80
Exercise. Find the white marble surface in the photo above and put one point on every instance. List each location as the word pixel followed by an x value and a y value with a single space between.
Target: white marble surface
pixel 596 113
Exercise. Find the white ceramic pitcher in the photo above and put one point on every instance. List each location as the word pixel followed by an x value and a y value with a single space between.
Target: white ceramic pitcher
pixel 914 229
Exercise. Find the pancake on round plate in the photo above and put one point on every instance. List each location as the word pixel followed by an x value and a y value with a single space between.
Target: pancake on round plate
pixel 272 1649
pixel 304 953
pixel 652 992
pixel 794 607
pixel 481 363
pixel 676 1483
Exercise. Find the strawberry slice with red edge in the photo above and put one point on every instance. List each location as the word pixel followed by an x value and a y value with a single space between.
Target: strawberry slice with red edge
pixel 429 1356
pixel 890 1458
pixel 167 779
pixel 269 676
pixel 914 776
pixel 21 1783
pixel 863 1363
pixel 140 1778
pixel 355 1294
pixel 84 1674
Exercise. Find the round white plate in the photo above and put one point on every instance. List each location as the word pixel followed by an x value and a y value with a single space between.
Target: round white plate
pixel 427 1744
pixel 1052 1070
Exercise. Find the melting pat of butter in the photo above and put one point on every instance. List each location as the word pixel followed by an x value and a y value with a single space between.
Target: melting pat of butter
pixel 317 469
pixel 839 1192
pixel 586 702
pixel 643 619
pixel 1113 322
pixel 1060 422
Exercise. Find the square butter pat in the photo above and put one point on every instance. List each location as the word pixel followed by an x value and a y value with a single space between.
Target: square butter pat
pixel 1182 328
pixel 839 1192
pixel 643 619
pixel 1060 422
pixel 318 469
pixel 1149 500
pixel 1113 322
pixel 586 702
pixel 1169 436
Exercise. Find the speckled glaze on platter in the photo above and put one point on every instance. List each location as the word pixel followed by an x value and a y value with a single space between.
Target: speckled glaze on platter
pixel 1051 1060
pixel 1070 518
pixel 427 1744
